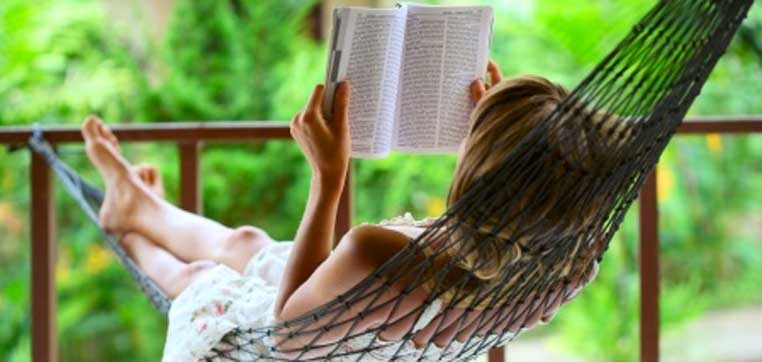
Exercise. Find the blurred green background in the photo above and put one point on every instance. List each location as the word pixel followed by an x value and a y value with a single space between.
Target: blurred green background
pixel 142 61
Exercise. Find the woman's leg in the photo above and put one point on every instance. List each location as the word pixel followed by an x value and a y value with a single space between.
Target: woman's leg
pixel 171 274
pixel 129 206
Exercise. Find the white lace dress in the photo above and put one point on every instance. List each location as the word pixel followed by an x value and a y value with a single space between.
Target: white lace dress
pixel 220 300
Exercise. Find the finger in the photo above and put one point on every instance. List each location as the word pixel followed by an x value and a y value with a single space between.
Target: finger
pixel 294 125
pixel 341 105
pixel 553 302
pixel 593 273
pixel 535 315
pixel 572 289
pixel 495 75
pixel 477 90
pixel 297 118
pixel 316 99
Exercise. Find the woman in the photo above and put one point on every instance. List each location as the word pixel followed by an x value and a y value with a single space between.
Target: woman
pixel 222 278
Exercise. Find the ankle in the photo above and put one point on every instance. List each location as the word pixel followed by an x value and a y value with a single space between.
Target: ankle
pixel 147 211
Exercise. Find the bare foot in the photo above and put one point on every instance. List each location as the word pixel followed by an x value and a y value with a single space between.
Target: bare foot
pixel 151 177
pixel 125 193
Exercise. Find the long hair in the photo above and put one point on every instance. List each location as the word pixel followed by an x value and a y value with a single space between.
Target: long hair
pixel 499 123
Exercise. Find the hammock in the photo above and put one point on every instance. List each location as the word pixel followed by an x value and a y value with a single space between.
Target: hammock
pixel 605 136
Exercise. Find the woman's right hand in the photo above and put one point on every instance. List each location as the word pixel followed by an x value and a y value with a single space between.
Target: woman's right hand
pixel 478 87
pixel 325 142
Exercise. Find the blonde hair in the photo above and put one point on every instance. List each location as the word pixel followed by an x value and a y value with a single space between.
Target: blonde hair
pixel 559 197
pixel 548 199
pixel 499 123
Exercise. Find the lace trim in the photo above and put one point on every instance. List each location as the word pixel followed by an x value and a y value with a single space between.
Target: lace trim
pixel 407 219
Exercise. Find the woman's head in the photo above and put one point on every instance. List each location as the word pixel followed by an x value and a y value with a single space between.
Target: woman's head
pixel 499 123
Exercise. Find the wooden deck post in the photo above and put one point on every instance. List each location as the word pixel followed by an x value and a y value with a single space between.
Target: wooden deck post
pixel 190 177
pixel 43 261
pixel 649 270
pixel 496 355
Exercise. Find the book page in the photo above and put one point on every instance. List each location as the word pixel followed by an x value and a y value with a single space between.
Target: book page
pixel 446 49
pixel 367 51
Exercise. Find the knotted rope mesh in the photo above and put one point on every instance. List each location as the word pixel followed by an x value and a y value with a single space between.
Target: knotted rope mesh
pixel 588 158
pixel 90 199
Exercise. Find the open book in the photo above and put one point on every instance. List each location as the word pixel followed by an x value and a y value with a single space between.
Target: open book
pixel 411 68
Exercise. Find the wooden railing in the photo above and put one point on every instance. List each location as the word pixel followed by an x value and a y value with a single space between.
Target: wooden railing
pixel 189 138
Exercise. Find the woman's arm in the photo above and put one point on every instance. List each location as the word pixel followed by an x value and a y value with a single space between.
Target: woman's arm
pixel 325 144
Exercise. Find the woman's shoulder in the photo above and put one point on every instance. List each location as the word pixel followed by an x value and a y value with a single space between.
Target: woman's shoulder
pixel 372 243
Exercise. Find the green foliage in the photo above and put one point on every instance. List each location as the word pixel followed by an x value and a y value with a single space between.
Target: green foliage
pixel 246 185
pixel 57 62
pixel 249 59
pixel 220 58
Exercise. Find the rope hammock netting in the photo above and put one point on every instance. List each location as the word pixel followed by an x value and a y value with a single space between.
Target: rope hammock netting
pixel 591 154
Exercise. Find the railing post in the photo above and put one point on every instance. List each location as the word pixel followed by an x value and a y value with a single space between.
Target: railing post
pixel 496 355
pixel 344 214
pixel 190 177
pixel 649 270
pixel 43 251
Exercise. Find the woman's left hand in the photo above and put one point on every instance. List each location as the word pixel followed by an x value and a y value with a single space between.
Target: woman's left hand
pixel 325 142
pixel 478 87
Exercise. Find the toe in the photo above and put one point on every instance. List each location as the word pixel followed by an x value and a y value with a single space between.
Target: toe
pixel 101 129
pixel 140 170
pixel 90 128
pixel 100 149
pixel 152 173
pixel 143 172
pixel 106 133
pixel 108 157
